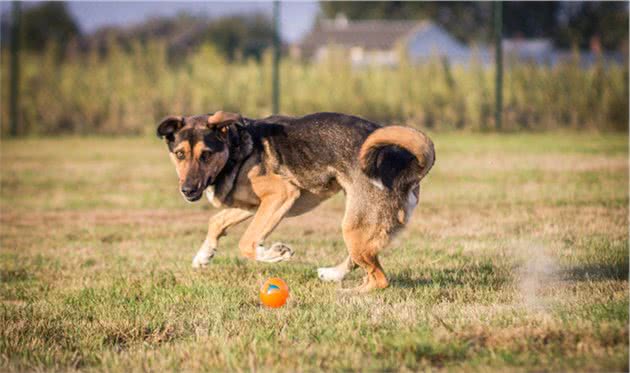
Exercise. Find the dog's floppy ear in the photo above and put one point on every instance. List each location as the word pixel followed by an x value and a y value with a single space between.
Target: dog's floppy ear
pixel 221 120
pixel 169 126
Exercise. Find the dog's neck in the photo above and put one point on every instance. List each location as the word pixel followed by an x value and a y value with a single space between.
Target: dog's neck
pixel 241 148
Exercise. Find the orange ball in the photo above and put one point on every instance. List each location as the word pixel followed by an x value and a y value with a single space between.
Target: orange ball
pixel 274 293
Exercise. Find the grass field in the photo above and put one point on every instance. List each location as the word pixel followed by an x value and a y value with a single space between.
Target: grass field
pixel 517 258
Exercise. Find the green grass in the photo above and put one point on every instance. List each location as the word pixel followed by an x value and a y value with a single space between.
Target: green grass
pixel 517 259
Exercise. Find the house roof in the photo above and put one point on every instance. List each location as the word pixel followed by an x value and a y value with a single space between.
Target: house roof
pixel 369 34
pixel 539 45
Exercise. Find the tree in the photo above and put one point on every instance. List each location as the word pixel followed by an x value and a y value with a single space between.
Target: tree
pixel 46 22
pixel 607 21
pixel 248 36
pixel 530 19
pixel 234 36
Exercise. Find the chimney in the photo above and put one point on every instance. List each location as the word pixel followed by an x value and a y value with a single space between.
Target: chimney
pixel 341 21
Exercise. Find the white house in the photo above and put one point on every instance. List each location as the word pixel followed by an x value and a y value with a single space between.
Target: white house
pixel 379 42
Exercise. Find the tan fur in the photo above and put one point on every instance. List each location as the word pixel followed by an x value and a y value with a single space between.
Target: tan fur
pixel 216 228
pixel 402 216
pixel 277 196
pixel 198 149
pixel 363 243
pixel 222 117
pixel 183 166
pixel 309 201
pixel 416 142
pixel 219 223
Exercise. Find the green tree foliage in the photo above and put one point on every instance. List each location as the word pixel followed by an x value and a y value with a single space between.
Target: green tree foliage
pixel 247 36
pixel 235 37
pixel 48 22
pixel 606 20
pixel 530 19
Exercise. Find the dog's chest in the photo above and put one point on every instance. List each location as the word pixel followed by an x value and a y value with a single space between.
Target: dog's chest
pixel 212 197
pixel 241 197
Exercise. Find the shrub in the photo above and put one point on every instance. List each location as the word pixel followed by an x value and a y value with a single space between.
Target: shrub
pixel 128 92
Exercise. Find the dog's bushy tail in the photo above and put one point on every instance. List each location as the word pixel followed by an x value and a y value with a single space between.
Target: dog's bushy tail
pixel 396 156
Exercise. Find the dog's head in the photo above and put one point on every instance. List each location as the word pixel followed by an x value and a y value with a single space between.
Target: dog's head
pixel 199 147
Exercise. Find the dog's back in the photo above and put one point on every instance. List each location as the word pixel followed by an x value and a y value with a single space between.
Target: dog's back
pixel 316 148
pixel 319 140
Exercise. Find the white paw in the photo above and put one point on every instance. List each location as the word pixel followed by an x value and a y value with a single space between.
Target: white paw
pixel 202 259
pixel 278 252
pixel 330 274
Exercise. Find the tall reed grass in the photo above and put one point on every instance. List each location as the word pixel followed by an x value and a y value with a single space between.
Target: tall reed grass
pixel 126 92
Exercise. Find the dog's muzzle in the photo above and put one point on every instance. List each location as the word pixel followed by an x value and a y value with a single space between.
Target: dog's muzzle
pixel 191 193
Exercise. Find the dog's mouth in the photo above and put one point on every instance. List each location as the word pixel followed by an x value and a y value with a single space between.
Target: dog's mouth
pixel 197 194
pixel 194 197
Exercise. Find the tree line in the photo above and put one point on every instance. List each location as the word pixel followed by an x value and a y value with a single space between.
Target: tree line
pixel 236 36
pixel 568 24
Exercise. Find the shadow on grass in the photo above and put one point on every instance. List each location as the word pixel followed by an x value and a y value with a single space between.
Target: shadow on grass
pixel 598 272
pixel 405 281
pixel 481 274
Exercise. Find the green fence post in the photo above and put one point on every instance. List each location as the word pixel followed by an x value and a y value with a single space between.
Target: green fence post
pixel 498 57
pixel 14 98
pixel 276 58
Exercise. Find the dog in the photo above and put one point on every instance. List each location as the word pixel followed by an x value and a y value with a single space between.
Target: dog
pixel 285 166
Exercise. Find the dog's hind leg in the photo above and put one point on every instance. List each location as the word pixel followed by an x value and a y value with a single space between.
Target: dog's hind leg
pixel 338 272
pixel 368 224
pixel 363 245
pixel 217 226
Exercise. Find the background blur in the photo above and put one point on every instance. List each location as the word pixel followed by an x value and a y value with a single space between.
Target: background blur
pixel 118 67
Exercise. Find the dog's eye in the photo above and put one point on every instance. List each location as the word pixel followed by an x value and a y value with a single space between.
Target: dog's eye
pixel 205 156
pixel 180 155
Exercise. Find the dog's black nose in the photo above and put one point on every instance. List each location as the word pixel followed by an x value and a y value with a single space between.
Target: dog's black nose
pixel 189 191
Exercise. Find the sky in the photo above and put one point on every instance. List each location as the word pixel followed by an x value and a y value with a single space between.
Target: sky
pixel 296 17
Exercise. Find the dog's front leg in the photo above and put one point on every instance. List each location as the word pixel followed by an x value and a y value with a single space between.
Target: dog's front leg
pixel 216 228
pixel 276 199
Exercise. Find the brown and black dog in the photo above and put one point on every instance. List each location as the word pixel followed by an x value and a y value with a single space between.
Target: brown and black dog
pixel 283 166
